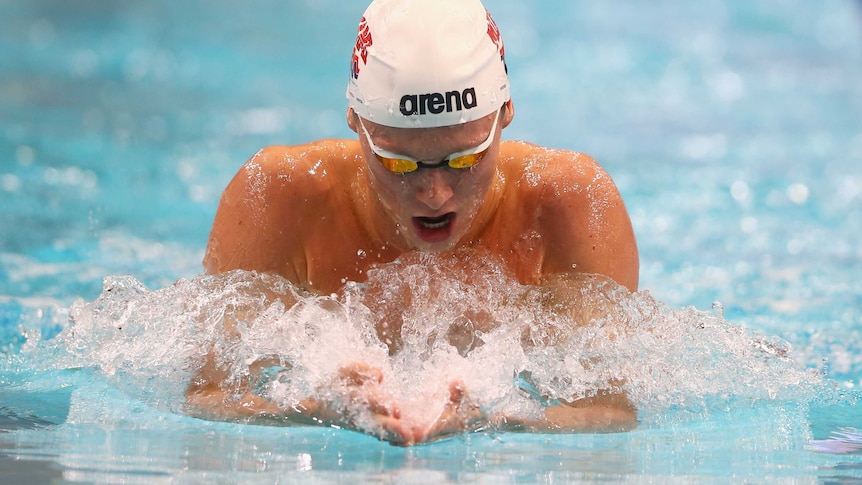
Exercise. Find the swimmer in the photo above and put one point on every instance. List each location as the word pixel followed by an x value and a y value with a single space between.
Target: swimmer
pixel 428 98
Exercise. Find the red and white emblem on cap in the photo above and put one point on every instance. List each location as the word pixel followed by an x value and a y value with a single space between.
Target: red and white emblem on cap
pixel 360 50
pixel 494 34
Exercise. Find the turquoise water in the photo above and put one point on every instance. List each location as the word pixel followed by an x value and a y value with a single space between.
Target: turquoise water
pixel 732 129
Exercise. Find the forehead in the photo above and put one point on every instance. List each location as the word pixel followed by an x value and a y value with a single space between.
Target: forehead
pixel 462 136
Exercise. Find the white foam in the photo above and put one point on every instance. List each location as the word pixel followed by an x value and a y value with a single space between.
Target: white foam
pixel 454 321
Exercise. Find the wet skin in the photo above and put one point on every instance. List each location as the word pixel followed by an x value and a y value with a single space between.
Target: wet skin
pixel 323 213
pixel 434 207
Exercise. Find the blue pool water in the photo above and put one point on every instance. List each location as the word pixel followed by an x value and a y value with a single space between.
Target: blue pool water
pixel 733 129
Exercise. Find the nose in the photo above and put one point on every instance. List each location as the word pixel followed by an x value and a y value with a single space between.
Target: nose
pixel 433 187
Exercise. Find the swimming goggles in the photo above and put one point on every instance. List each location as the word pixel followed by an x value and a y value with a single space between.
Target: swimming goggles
pixel 396 163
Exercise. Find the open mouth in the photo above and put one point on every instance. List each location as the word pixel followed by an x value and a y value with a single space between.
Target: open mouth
pixel 434 229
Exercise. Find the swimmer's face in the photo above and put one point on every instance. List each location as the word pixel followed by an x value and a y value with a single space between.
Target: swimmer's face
pixel 435 206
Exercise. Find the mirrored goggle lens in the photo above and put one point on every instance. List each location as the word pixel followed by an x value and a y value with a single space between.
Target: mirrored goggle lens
pixel 401 165
pixel 398 165
pixel 467 161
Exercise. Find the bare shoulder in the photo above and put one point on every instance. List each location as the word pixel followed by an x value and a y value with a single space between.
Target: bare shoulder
pixel 555 175
pixel 306 166
pixel 278 179
pixel 580 213
pixel 276 191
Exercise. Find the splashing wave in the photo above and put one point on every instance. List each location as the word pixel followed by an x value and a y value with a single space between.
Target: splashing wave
pixel 425 321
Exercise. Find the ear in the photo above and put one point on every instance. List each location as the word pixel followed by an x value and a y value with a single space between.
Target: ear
pixel 351 120
pixel 510 113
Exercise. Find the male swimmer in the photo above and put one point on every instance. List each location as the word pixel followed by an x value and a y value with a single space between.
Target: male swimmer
pixel 428 97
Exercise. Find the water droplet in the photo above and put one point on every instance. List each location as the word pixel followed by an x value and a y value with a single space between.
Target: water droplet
pixel 718 309
pixel 797 193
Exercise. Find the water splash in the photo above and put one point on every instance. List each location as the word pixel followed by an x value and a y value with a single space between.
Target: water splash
pixel 424 321
pixel 842 441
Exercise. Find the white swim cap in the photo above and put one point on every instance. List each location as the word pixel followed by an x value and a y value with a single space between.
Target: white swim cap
pixel 427 63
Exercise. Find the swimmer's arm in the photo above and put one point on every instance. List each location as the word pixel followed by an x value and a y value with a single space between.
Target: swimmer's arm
pixel 208 400
pixel 212 394
pixel 587 301
pixel 209 397
pixel 605 413
pixel 259 211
